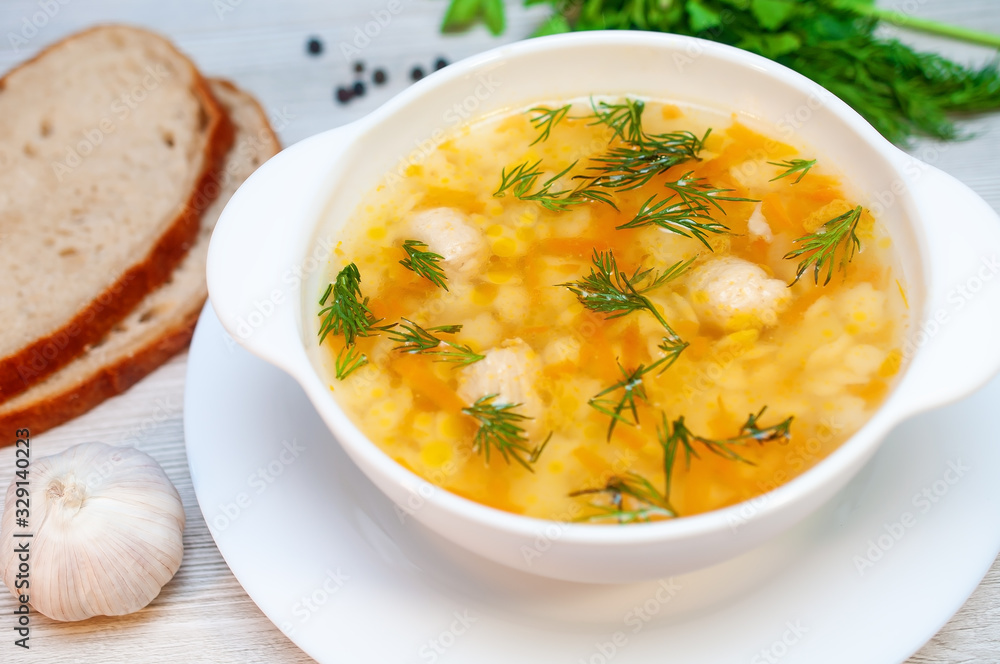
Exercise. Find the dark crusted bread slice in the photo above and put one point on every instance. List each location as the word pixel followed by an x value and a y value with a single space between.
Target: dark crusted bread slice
pixel 108 142
pixel 163 322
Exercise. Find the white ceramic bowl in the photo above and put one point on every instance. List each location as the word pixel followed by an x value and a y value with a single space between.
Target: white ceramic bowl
pixel 268 259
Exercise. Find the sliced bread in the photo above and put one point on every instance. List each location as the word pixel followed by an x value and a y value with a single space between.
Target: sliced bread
pixel 163 321
pixel 108 143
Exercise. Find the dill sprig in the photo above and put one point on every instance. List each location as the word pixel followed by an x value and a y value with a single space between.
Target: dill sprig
pixel 500 430
pixel 416 339
pixel 622 491
pixel 680 217
pixel 618 409
pixel 688 210
pixel 820 248
pixel 547 118
pixel 522 179
pixel 629 167
pixel 424 263
pixel 632 497
pixel 793 166
pixel 638 159
pixel 641 156
pixel 672 347
pixel 612 292
pixel 624 119
pixel 676 437
pixel 348 313
pixel 349 359
pixel 700 194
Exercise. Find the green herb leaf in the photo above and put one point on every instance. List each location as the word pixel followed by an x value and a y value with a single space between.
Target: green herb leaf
pixel 773 14
pixel 679 217
pixel 460 15
pixel 349 359
pixel 424 263
pixel 348 313
pixel 547 118
pixel 500 430
pixel 632 388
pixel 493 15
pixel 820 249
pixel 610 291
pixel 522 179
pixel 800 166
pixel 415 339
pixel 632 497
pixel 702 18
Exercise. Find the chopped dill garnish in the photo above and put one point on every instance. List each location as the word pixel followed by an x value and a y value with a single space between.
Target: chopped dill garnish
pixel 699 194
pixel 347 313
pixel 617 409
pixel 687 211
pixel 623 168
pixel 641 156
pixel 820 248
pixel 632 497
pixel 625 119
pixel 424 263
pixel 678 436
pixel 649 502
pixel 678 217
pixel 793 166
pixel 547 118
pixel 672 347
pixel 522 179
pixel 500 430
pixel 349 359
pixel 629 165
pixel 610 291
pixel 415 339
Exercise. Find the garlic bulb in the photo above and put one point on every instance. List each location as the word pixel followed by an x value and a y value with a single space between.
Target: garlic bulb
pixel 107 530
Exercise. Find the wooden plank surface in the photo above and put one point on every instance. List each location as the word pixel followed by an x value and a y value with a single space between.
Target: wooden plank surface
pixel 204 615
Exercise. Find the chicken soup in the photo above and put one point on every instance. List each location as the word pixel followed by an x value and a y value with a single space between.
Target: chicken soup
pixel 611 310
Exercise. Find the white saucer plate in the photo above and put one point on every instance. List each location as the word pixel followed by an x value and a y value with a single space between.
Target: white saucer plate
pixel 349 578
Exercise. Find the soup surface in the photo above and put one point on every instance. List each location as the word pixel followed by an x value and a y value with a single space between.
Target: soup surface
pixel 611 310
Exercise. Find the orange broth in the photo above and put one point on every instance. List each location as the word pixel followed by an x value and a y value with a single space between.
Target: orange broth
pixel 828 360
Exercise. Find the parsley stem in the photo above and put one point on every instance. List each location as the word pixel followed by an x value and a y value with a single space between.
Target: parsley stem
pixel 926 25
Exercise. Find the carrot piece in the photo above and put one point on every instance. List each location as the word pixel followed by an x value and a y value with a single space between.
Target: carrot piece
pixel 418 374
pixel 633 345
pixel 774 210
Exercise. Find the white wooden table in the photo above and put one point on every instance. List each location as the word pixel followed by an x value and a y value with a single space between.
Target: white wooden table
pixel 204 615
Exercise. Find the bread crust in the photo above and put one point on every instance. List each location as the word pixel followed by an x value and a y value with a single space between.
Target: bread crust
pixel 93 390
pixel 34 362
pixel 113 379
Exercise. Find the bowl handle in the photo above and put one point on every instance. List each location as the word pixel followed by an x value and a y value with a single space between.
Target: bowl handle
pixel 955 346
pixel 256 256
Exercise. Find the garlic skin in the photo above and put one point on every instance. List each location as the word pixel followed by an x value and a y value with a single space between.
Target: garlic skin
pixel 108 532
